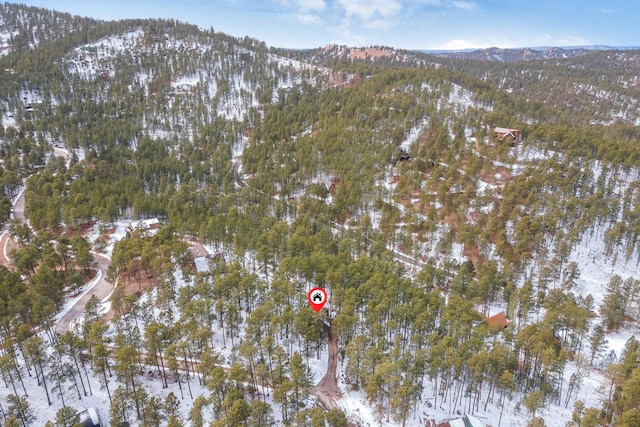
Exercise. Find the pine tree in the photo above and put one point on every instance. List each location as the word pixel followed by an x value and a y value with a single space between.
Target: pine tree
pixel 300 379
pixel 533 402
pixel 19 407
pixel 153 411
pixel 598 342
pixel 67 417
pixel 121 406
pixel 613 306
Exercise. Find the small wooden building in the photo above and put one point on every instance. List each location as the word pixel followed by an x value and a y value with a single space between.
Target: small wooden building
pixel 498 321
pixel 506 133
pixel 329 183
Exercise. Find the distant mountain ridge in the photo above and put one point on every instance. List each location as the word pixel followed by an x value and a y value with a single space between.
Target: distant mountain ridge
pixel 496 54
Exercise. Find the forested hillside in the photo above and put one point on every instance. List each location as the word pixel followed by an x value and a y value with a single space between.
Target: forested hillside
pixel 171 194
pixel 595 88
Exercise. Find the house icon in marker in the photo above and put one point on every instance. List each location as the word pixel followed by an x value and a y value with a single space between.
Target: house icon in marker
pixel 317 298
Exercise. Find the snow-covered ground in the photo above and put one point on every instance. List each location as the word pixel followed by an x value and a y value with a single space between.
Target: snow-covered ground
pixel 97 397
pixel 223 81
pixel 5 39
pixel 30 97
pixel 461 99
pixel 592 391
pixel 120 229
pixel 413 135
pixel 91 59
pixel 595 272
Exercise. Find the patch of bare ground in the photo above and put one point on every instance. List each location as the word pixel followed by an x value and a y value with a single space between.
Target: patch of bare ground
pixel 107 233
pixel 496 176
pixel 417 206
pixel 473 253
pixel 451 218
pixel 344 80
pixel 369 52
pixel 132 286
pixel 80 229
pixel 10 245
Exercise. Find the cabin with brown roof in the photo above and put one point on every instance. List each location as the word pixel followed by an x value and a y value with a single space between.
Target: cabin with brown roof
pixel 200 256
pixel 508 134
pixel 498 321
pixel 199 251
pixel 329 183
pixel 333 183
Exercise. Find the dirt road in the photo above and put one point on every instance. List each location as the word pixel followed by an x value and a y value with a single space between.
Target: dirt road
pixel 18 213
pixel 101 290
pixel 18 209
pixel 4 239
pixel 327 390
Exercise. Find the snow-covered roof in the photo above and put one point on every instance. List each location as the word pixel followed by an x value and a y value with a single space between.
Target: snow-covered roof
pixel 145 224
pixel 202 264
pixel 465 421
pixel 505 130
pixel 475 422
pixel 90 418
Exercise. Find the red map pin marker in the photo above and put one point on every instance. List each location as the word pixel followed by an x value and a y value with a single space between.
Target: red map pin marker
pixel 317 298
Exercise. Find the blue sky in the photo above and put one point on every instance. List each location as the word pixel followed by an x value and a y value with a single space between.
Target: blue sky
pixel 406 24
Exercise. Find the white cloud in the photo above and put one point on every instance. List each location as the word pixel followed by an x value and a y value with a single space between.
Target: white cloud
pixel 304 11
pixel 608 11
pixel 367 9
pixel 543 39
pixel 459 44
pixel 379 24
pixel 311 4
pixel 304 5
pixel 458 4
pixel 306 18
pixel 467 5
pixel 346 37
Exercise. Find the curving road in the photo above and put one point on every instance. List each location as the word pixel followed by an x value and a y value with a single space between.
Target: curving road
pixel 17 212
pixel 4 240
pixel 101 290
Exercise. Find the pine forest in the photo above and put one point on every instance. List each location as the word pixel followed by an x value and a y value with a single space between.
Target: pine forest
pixel 170 195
